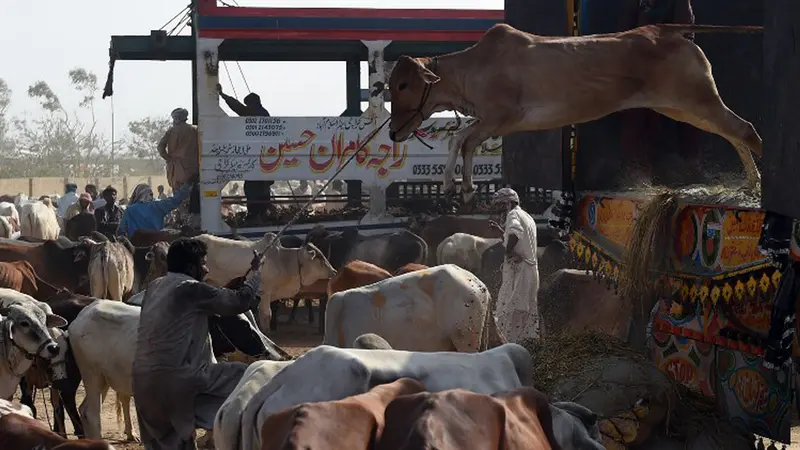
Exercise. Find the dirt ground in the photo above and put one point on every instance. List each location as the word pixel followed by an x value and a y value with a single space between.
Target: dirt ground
pixel 296 339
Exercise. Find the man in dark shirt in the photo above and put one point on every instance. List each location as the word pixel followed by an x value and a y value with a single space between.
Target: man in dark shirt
pixel 254 191
pixel 108 216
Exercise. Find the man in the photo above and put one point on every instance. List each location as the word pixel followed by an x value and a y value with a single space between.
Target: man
pixel 83 205
pixel 161 194
pixel 144 212
pixel 180 148
pixel 97 200
pixel 109 216
pixel 517 312
pixel 68 199
pixel 256 192
pixel 176 385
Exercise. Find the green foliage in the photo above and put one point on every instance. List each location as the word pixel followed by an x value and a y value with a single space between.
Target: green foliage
pixel 144 135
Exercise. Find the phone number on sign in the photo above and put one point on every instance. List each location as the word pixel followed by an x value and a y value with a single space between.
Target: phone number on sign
pixel 438 169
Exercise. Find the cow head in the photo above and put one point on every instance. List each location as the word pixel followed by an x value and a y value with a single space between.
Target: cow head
pixel 313 265
pixel 25 326
pixel 410 85
pixel 157 255
pixel 58 364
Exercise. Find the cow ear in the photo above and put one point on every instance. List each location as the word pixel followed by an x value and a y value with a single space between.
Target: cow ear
pixel 428 76
pixel 55 321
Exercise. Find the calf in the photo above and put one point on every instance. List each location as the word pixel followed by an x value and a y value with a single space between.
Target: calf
pixel 434 231
pixel 38 220
pixel 519 419
pixel 353 423
pixel 648 67
pixel 464 250
pixel 444 308
pixel 21 432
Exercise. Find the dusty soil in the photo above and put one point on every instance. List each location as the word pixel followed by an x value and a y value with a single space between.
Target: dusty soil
pixel 296 339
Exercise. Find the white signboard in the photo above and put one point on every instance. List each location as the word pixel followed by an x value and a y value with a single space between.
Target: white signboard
pixel 313 148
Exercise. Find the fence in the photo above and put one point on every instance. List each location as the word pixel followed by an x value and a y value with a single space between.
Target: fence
pixel 36 187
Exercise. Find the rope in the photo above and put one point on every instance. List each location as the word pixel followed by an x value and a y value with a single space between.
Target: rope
pixel 181 23
pixel 315 196
pixel 175 17
pixel 225 65
pixel 113 141
pixel 243 77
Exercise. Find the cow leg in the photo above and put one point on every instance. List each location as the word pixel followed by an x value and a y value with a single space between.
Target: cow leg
pixel 125 401
pixel 58 412
pixel 310 306
pixel 96 388
pixel 323 306
pixel 473 138
pixel 454 146
pixel 26 395
pixel 273 319
pixel 295 302
pixel 67 390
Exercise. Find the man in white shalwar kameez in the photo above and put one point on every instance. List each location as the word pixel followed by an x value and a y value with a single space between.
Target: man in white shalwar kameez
pixel 517 312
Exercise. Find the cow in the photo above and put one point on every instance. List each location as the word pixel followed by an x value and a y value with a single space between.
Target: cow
pixel 444 308
pixel 436 230
pixel 80 225
pixel 111 272
pixel 18 431
pixel 284 271
pixel 647 67
pixel 328 373
pixel 146 238
pixel 356 274
pixel 390 251
pixel 24 335
pixel 61 264
pixel 519 419
pixel 464 250
pixel 19 276
pixel 413 267
pixel 39 221
pixel 10 213
pixel 227 422
pixel 9 407
pixel 6 229
pixel 352 423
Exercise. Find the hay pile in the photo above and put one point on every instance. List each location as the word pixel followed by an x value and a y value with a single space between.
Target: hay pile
pixel 718 194
pixel 609 377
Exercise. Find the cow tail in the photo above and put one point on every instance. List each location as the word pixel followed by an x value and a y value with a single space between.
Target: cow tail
pixel 118 409
pixel 483 345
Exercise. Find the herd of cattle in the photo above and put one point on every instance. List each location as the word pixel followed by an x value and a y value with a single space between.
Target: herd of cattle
pixel 427 290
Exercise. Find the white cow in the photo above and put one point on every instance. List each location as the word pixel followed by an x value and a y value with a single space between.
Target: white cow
pixel 10 407
pixel 37 220
pixel 228 421
pixel 464 250
pixel 443 308
pixel 6 229
pixel 283 273
pixel 111 273
pixel 24 334
pixel 328 373
pixel 103 340
pixel 10 212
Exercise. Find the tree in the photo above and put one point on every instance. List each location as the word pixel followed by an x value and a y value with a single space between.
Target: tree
pixel 57 140
pixel 6 143
pixel 144 136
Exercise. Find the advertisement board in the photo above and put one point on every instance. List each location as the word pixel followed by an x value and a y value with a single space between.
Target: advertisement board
pixel 313 148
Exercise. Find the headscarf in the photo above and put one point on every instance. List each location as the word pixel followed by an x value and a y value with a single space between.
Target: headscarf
pixel 179 115
pixel 505 195
pixel 70 187
pixel 139 193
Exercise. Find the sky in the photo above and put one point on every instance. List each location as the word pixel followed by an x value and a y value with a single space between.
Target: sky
pixel 44 39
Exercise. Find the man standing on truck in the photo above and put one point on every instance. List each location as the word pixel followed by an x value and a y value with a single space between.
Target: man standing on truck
pixel 256 192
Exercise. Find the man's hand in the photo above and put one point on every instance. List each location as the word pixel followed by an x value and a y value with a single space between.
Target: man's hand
pixel 495 225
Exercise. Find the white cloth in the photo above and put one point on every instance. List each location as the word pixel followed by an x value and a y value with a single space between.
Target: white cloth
pixel 65 202
pixel 517 312
pixel 99 203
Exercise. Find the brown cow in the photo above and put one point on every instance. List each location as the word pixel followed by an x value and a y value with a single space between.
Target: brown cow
pixel 434 231
pixel 354 423
pixel 516 420
pixel 62 264
pixel 409 268
pixel 356 274
pixel 543 82
pixel 22 432
pixel 20 276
